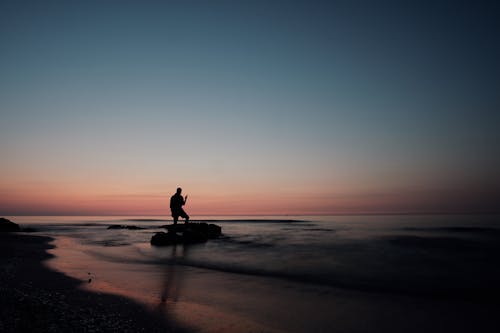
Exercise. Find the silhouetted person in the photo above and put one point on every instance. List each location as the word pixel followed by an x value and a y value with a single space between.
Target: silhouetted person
pixel 176 203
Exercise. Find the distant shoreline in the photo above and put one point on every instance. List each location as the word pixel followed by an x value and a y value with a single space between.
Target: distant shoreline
pixel 37 299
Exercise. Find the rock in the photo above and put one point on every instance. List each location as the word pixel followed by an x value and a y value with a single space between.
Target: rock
pixel 29 230
pixel 174 227
pixel 163 239
pixel 210 231
pixel 129 227
pixel 115 226
pixel 133 227
pixel 8 226
pixel 214 230
pixel 193 236
pixel 192 233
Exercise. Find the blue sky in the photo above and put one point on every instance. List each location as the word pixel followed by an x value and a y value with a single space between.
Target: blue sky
pixel 337 99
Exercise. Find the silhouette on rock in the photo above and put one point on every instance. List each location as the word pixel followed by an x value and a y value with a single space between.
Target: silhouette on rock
pixel 8 226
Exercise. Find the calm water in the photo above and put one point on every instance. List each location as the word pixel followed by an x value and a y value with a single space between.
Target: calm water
pixel 325 261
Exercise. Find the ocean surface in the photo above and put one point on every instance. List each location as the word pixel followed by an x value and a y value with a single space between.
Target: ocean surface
pixel 294 273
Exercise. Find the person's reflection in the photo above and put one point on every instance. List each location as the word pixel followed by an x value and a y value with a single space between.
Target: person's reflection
pixel 174 275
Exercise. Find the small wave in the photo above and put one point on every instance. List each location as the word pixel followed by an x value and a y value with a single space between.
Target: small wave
pixel 319 229
pixel 484 293
pixel 86 224
pixel 246 242
pixel 470 230
pixel 306 228
pixel 110 243
pixel 444 243
pixel 67 225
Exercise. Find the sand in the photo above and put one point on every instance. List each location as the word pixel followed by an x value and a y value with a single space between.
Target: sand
pixel 37 299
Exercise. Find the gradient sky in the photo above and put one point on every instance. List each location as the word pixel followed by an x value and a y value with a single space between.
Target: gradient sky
pixel 253 107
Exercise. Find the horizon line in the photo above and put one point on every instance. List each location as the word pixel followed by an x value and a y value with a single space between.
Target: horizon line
pixel 242 214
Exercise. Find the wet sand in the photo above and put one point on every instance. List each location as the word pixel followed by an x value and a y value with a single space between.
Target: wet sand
pixel 37 299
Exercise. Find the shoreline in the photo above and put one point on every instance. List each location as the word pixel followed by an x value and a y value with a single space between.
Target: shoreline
pixel 38 299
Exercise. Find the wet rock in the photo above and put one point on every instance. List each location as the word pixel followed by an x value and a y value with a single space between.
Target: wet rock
pixel 210 231
pixel 193 236
pixel 163 239
pixel 214 230
pixel 8 226
pixel 190 233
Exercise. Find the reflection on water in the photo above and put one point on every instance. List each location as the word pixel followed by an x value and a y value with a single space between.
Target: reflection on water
pixel 173 278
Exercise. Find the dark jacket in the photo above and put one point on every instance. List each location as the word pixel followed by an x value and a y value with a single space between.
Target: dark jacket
pixel 176 202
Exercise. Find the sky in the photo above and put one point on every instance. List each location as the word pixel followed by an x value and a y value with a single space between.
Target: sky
pixel 252 107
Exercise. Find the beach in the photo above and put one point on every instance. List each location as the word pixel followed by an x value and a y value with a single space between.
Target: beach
pixel 328 274
pixel 37 299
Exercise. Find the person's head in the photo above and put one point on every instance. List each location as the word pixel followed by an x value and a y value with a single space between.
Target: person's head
pixel 179 190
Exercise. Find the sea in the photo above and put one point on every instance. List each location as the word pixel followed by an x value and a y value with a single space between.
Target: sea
pixel 411 273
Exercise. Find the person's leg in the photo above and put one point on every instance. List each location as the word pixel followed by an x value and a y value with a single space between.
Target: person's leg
pixel 175 219
pixel 185 216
